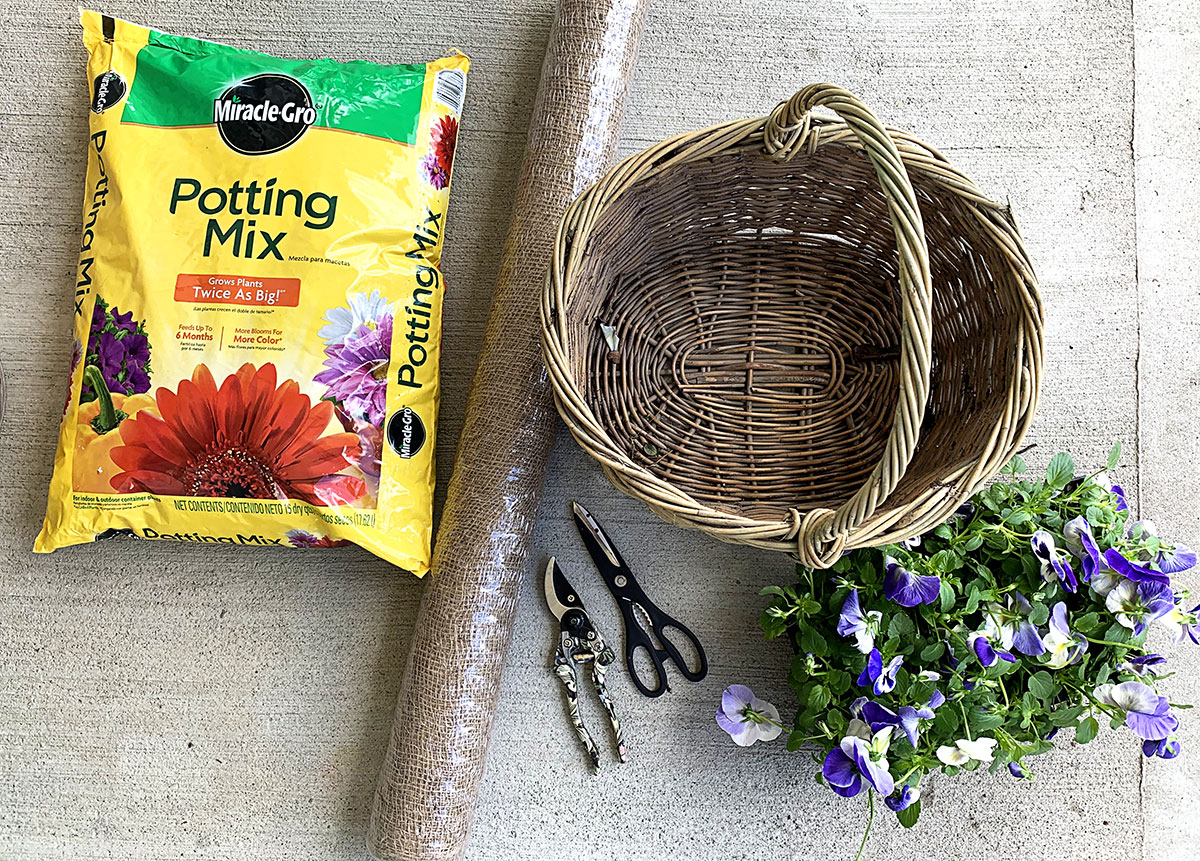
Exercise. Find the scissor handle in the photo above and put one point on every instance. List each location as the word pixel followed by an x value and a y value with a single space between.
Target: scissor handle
pixel 665 622
pixel 636 637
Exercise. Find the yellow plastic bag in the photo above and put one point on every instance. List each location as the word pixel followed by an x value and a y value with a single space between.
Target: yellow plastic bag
pixel 258 299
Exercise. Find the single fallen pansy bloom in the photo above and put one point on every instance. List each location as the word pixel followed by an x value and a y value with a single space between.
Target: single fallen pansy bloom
pixel 746 718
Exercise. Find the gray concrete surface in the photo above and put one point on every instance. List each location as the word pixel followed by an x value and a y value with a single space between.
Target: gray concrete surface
pixel 161 702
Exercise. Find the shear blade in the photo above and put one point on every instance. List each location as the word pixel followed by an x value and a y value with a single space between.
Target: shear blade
pixel 560 597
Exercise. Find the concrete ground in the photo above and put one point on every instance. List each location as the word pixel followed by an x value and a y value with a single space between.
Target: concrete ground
pixel 168 702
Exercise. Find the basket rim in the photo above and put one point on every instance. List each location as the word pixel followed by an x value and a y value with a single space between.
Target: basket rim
pixel 807 534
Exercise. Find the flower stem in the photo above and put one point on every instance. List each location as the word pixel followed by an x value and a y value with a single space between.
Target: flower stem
pixel 1114 643
pixel 109 417
pixel 966 723
pixel 759 717
pixel 862 847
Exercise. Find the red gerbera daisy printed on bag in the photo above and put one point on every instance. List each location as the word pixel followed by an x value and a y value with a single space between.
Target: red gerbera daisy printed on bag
pixel 444 137
pixel 247 439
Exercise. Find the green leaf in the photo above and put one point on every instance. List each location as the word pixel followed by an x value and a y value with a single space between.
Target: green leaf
pixel 1039 614
pixel 812 641
pixel 1066 716
pixel 972 601
pixel 771 590
pixel 795 740
pixel 981 722
pixel 1086 623
pixel 946 597
pixel 1019 516
pixel 932 652
pixel 1060 471
pixel 1086 731
pixel 799 669
pixel 900 626
pixel 909 815
pixel 818 697
pixel 1117 633
pixel 838 682
pixel 1114 455
pixel 973 543
pixel 1043 686
pixel 1016 466
pixel 942 531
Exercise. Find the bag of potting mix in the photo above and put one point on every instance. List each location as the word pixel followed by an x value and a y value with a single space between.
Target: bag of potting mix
pixel 258 298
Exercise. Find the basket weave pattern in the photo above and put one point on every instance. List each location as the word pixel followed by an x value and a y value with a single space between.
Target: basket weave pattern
pixel 826 336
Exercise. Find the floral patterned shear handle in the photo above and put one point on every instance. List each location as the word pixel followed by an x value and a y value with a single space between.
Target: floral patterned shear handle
pixel 580 643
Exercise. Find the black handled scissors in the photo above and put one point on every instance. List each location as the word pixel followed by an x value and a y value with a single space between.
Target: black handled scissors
pixel 632 600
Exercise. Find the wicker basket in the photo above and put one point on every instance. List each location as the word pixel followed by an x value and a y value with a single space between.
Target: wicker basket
pixel 825 336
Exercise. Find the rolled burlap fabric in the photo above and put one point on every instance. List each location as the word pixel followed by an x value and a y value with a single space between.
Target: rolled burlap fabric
pixel 430 778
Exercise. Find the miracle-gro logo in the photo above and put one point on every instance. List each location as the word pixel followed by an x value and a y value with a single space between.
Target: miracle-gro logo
pixel 264 114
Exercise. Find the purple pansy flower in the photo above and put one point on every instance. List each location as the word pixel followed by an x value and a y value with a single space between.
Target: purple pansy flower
pixel 1064 648
pixel 1016 769
pixel 1119 493
pixel 853 622
pixel 1142 665
pixel 1078 534
pixel 746 718
pixel 1131 570
pixel 1053 565
pixel 907 719
pixel 1167 748
pixel 1136 605
pixel 1192 627
pixel 356 372
pixel 1146 713
pixel 987 654
pixel 880 678
pixel 1172 560
pixel 1008 624
pixel 906 588
pixel 860 756
pixel 904 797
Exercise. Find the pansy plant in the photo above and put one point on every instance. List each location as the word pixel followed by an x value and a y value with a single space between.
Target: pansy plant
pixel 1026 613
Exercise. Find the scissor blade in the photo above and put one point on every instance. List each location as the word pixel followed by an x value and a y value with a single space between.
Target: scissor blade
pixel 559 595
pixel 588 526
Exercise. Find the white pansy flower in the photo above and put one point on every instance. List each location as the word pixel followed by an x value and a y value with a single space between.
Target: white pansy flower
pixel 964 750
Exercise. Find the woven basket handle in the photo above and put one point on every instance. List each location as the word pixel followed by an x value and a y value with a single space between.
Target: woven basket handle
pixel 821 534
